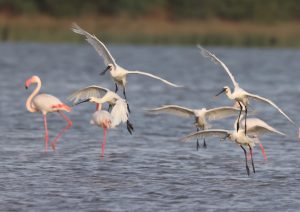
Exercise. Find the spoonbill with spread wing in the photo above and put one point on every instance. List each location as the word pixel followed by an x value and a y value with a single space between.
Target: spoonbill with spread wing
pixel 106 120
pixel 256 128
pixel 99 96
pixel 239 95
pixel 46 103
pixel 202 116
pixel 118 73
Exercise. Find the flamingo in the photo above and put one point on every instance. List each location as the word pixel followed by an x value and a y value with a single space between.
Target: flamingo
pixel 46 103
pixel 200 115
pixel 239 95
pixel 106 120
pixel 256 128
pixel 117 72
pixel 100 95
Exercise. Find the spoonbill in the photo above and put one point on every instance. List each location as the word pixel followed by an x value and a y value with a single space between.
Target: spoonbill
pixel 117 72
pixel 200 115
pixel 99 96
pixel 95 91
pixel 46 103
pixel 256 128
pixel 239 95
pixel 106 120
pixel 256 123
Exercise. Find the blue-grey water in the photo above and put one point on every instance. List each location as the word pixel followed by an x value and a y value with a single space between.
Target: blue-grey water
pixel 150 170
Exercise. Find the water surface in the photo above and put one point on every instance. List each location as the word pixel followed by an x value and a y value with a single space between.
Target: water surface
pixel 151 169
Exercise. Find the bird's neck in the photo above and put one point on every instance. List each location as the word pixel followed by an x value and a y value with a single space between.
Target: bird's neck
pixel 98 106
pixel 29 105
pixel 229 94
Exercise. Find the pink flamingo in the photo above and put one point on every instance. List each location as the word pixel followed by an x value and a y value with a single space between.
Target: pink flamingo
pixel 46 103
pixel 102 119
pixel 106 120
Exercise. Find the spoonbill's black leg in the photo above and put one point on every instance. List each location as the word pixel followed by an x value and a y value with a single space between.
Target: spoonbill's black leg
pixel 204 144
pixel 124 93
pixel 197 144
pixel 251 154
pixel 247 167
pixel 238 121
pixel 246 112
pixel 116 90
pixel 129 127
pixel 128 108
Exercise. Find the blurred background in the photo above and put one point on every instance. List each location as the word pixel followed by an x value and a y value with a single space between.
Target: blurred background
pixel 209 22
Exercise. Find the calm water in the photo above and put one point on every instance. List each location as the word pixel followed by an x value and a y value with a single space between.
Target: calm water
pixel 150 170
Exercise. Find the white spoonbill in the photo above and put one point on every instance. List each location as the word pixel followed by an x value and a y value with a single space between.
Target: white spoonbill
pixel 101 95
pixel 239 95
pixel 119 111
pixel 238 137
pixel 117 73
pixel 106 120
pixel 46 103
pixel 257 125
pixel 201 116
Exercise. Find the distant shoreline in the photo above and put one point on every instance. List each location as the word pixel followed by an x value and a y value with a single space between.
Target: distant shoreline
pixel 123 30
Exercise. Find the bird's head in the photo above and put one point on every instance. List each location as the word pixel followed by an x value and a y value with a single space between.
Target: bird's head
pixel 109 67
pixel 31 80
pixel 226 90
pixel 91 99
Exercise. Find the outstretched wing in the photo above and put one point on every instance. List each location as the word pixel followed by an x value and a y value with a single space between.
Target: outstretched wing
pixel 206 133
pixel 258 127
pixel 265 100
pixel 216 60
pixel 174 109
pixel 96 43
pixel 153 76
pixel 221 112
pixel 85 93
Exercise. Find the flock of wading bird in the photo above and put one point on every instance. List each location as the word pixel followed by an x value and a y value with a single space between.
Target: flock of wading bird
pixel 246 132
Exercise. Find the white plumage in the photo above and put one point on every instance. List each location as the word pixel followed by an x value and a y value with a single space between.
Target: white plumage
pixel 117 72
pixel 239 95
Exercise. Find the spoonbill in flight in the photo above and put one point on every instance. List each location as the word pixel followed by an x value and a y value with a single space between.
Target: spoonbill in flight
pixel 239 137
pixel 117 73
pixel 106 120
pixel 256 123
pixel 99 96
pixel 201 116
pixel 46 103
pixel 239 95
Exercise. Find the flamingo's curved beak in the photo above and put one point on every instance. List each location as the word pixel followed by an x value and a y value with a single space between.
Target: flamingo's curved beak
pixel 27 83
pixel 85 100
pixel 105 70
pixel 222 91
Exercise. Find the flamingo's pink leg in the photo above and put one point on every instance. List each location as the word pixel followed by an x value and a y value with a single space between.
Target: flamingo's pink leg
pixel 104 142
pixel 299 134
pixel 263 151
pixel 53 143
pixel 46 133
pixel 97 106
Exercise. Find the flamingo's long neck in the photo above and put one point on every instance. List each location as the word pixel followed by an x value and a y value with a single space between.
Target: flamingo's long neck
pixel 29 106
pixel 98 106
